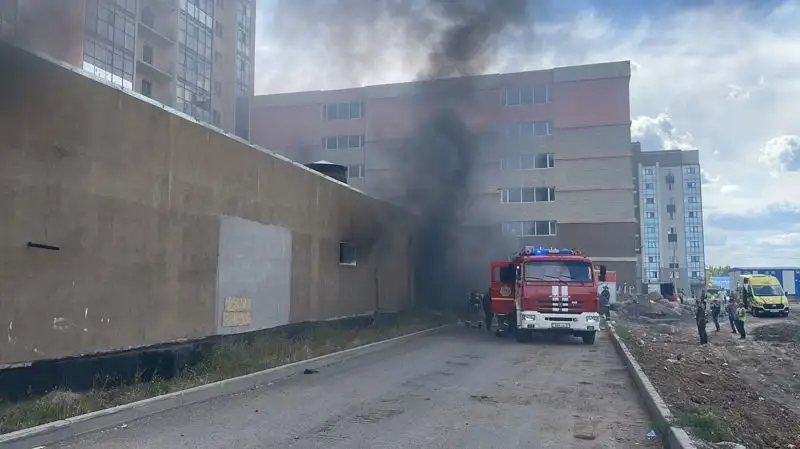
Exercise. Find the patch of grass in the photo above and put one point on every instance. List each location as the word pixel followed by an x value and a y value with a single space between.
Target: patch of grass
pixel 225 361
pixel 703 424
pixel 625 335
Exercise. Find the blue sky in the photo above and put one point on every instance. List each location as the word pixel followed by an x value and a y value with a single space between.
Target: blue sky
pixel 717 76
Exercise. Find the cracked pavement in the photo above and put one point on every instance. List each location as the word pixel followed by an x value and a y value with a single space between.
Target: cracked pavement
pixel 459 388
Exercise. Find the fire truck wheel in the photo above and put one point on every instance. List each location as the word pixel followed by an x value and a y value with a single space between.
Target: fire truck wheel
pixel 588 338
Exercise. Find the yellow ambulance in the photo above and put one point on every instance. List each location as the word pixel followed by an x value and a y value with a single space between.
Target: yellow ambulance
pixel 765 295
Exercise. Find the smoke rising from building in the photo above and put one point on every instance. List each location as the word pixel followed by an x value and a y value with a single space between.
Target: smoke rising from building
pixel 443 39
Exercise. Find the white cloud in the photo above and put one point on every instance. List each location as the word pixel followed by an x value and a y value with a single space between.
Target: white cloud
pixel 729 188
pixel 782 153
pixel 719 78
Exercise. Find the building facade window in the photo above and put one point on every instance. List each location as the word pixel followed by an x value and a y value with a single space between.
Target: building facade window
pixel 527 195
pixel 355 171
pixel 343 111
pixel 524 96
pixel 195 59
pixel 531 228
pixel 343 142
pixel 528 162
pixel 650 237
pixel 108 49
pixel 147 88
pixel 693 225
pixel 523 130
pixel 245 42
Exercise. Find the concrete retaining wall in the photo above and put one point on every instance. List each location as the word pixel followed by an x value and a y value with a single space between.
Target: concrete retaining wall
pixel 165 228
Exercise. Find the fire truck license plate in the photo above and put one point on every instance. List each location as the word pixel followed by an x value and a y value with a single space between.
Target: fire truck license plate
pixel 562 325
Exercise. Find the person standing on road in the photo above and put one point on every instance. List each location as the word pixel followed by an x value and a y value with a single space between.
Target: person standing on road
pixel 730 309
pixel 487 309
pixel 741 315
pixel 716 309
pixel 700 318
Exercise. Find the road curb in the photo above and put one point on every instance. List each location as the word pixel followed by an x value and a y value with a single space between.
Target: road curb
pixel 58 431
pixel 676 437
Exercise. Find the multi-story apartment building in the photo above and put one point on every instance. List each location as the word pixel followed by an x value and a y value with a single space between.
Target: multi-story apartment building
pixel 193 55
pixel 555 163
pixel 670 205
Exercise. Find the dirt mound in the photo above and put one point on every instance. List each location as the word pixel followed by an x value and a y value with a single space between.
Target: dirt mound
pixel 780 332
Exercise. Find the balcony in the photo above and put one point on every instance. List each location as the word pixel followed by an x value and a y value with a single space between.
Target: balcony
pixel 161 73
pixel 161 37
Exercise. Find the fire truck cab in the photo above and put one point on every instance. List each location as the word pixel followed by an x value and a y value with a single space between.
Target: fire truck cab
pixel 546 290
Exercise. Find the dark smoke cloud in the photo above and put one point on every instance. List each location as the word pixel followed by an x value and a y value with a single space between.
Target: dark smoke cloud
pixel 442 39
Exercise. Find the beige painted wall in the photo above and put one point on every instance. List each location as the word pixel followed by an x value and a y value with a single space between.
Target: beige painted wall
pixel 132 195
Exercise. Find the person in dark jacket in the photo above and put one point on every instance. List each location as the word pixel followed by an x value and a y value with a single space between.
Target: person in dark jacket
pixel 700 318
pixel 730 309
pixel 716 310
pixel 487 309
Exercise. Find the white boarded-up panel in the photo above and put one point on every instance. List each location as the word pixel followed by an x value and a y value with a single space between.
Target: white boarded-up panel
pixel 253 276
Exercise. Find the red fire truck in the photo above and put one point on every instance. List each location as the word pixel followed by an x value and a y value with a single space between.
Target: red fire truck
pixel 548 290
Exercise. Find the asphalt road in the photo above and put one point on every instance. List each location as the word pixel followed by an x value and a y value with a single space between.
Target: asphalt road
pixel 462 388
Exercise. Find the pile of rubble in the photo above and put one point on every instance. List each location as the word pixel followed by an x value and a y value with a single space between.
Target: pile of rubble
pixel 651 308
pixel 778 332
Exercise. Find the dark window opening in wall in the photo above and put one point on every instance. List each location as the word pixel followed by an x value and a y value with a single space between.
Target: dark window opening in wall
pixel 545 194
pixel 695 259
pixel 691 214
pixel 343 111
pixel 692 199
pixel 355 171
pixel 696 274
pixel 691 185
pixel 649 200
pixel 217 88
pixel 147 88
pixel 541 94
pixel 652 274
pixel 545 160
pixel 674 265
pixel 648 186
pixel 147 54
pixel 218 29
pixel 216 118
pixel 347 253
pixel 148 17
pixel 650 214
pixel 651 259
pixel 690 170
pixel 672 237
pixel 649 171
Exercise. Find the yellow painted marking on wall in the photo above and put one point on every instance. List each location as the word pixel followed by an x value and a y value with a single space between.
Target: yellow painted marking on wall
pixel 238 311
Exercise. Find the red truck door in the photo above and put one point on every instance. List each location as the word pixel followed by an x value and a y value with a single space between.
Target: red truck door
pixel 502 288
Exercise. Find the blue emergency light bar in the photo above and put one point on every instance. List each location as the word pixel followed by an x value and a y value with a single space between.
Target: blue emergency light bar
pixel 542 251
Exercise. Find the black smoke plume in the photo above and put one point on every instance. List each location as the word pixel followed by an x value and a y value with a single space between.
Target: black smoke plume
pixel 446 151
pixel 446 38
